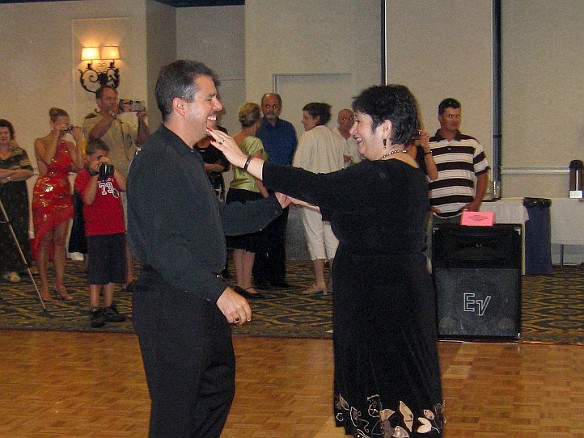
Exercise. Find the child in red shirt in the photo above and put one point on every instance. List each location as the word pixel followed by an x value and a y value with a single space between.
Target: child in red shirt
pixel 100 186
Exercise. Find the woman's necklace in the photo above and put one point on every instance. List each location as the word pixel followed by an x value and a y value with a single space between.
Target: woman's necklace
pixel 395 151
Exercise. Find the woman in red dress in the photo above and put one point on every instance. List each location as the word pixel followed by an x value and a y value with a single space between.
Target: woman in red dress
pixel 52 202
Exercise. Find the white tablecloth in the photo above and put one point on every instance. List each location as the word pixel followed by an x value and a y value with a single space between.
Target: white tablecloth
pixel 507 210
pixel 567 221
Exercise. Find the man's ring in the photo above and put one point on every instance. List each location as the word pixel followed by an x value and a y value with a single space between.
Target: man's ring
pixel 221 141
pixel 237 319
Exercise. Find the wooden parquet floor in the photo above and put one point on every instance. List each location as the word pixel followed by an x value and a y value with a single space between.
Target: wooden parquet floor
pixel 65 384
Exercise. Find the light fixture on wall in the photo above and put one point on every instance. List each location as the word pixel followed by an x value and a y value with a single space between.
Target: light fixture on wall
pixel 101 68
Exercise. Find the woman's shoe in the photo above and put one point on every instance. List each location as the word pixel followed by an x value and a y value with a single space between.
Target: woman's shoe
pixel 245 292
pixel 62 294
pixel 12 277
pixel 45 296
pixel 315 289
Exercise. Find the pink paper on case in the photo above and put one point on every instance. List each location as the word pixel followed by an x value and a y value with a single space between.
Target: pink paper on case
pixel 478 218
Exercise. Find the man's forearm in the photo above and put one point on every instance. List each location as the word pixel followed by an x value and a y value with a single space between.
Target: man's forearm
pixel 143 132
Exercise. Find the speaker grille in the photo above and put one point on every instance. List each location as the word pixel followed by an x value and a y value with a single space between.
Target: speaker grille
pixel 478 302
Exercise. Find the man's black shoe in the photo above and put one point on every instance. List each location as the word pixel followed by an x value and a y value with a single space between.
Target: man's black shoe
pixel 282 285
pixel 96 317
pixel 265 285
pixel 111 314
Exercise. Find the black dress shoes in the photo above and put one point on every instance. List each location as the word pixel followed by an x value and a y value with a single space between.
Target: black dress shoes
pixel 244 293
pixel 282 285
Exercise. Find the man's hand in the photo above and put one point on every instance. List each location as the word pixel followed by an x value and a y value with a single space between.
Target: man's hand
pixel 473 206
pixel 235 308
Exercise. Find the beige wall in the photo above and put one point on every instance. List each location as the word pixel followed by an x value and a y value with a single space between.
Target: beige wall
pixel 41 51
pixel 443 48
pixel 160 49
pixel 543 91
pixel 438 47
pixel 216 36
pixel 309 38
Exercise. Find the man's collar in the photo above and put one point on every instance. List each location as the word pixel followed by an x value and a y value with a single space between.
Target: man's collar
pixel 438 137
pixel 266 122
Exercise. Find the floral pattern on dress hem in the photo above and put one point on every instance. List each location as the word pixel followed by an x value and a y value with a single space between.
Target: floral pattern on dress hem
pixel 388 423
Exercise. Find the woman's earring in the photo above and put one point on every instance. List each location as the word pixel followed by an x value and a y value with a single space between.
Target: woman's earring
pixel 384 143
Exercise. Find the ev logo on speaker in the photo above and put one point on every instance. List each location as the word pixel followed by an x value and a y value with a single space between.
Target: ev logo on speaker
pixel 473 304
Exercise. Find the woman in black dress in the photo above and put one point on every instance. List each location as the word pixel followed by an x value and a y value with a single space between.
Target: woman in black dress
pixel 15 169
pixel 387 376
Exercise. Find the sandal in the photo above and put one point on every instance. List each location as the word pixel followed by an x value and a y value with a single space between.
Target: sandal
pixel 62 294
pixel 12 277
pixel 314 289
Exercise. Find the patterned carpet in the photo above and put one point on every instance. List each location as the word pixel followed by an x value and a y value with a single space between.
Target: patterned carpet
pixel 553 307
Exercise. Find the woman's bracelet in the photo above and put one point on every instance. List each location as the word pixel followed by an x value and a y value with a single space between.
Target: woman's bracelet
pixel 428 153
pixel 245 166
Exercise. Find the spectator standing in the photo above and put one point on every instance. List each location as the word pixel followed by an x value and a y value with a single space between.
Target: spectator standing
pixel 279 139
pixel 246 188
pixel 320 151
pixel 215 163
pixel 123 138
pixel 52 203
pixel 15 169
pixel 463 170
pixel 345 121
pixel 100 189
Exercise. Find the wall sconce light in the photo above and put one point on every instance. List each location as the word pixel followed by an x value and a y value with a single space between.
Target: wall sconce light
pixel 98 72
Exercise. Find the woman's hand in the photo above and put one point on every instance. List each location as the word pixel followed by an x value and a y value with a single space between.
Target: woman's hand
pixel 283 199
pixel 77 134
pixel 227 145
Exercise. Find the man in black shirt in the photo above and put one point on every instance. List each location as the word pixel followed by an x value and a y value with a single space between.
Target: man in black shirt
pixel 182 310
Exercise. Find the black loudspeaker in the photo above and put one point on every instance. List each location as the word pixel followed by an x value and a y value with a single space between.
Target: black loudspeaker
pixel 477 272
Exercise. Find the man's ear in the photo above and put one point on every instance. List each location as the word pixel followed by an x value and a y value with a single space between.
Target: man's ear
pixel 178 106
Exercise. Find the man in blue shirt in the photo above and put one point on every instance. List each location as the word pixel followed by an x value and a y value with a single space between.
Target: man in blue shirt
pixel 280 141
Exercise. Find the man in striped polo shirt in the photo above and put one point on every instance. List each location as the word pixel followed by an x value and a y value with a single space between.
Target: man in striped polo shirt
pixel 462 168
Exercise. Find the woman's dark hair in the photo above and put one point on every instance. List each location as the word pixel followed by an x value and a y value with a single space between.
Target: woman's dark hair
pixel 390 102
pixel 6 124
pixel 177 80
pixel 320 110
pixel 249 114
pixel 55 113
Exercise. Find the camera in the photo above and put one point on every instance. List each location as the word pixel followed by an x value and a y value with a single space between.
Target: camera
pixel 68 128
pixel 129 105
pixel 417 135
pixel 105 170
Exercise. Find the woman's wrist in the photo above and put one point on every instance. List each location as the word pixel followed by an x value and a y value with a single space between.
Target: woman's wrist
pixel 247 162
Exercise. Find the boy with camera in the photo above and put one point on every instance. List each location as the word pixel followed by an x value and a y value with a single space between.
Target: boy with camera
pixel 100 186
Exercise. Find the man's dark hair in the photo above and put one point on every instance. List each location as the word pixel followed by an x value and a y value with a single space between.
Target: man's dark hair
pixel 275 94
pixel 448 103
pixel 6 124
pixel 177 80
pixel 319 109
pixel 95 144
pixel 390 102
pixel 100 90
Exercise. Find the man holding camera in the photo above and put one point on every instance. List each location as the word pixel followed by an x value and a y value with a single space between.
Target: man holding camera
pixel 123 138
pixel 121 135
